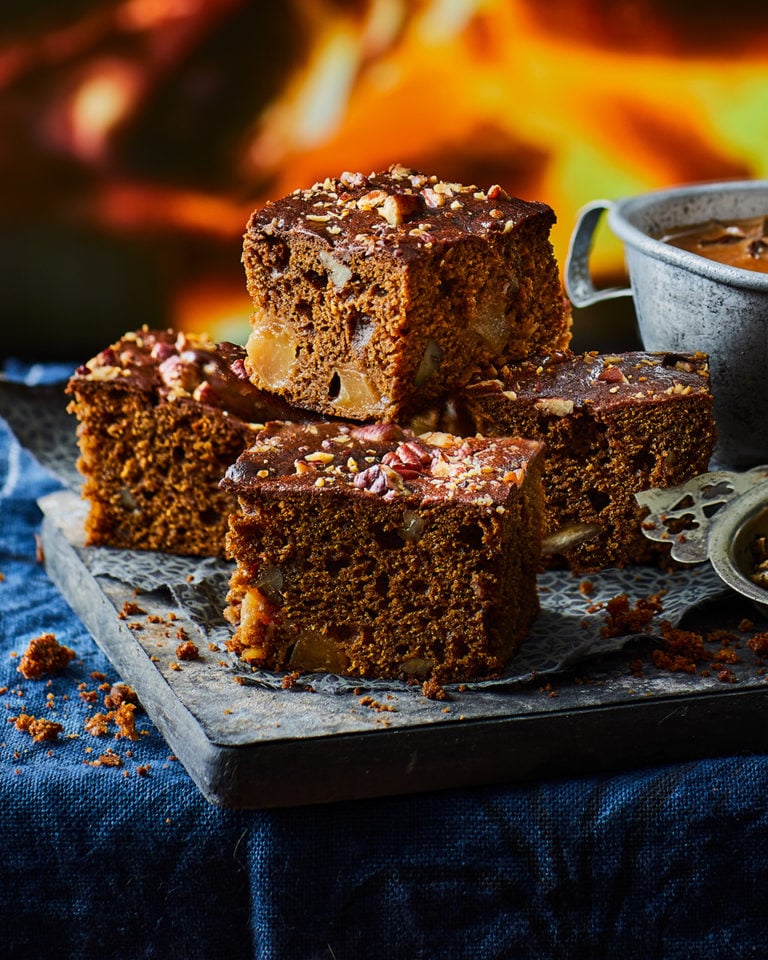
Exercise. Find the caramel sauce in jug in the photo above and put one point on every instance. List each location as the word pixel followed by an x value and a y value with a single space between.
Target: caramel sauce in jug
pixel 737 243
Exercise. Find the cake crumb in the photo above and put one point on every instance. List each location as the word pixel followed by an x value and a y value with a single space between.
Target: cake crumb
pixel 622 618
pixel 107 759
pixel 188 650
pixel 369 701
pixel 97 725
pixel 726 675
pixel 130 609
pixel 636 668
pixel 40 729
pixel 125 721
pixel 44 655
pixel 432 690
pixel 726 655
pixel 759 644
pixel 683 650
pixel 120 693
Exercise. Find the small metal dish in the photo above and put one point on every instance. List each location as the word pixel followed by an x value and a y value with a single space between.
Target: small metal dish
pixel 716 516
pixel 731 536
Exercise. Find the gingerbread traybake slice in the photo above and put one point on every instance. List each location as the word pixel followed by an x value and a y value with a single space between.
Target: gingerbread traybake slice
pixel 612 425
pixel 368 551
pixel 161 417
pixel 374 295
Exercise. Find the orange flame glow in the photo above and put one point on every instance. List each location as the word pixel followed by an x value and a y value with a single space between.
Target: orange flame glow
pixel 563 102
pixel 102 98
pixel 573 122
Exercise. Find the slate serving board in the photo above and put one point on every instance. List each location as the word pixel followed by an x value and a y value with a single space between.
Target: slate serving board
pixel 251 746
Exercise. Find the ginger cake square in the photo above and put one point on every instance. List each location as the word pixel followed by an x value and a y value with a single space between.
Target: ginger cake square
pixel 375 295
pixel 368 551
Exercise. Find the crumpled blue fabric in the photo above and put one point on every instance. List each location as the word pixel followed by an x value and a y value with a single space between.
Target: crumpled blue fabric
pixel 664 863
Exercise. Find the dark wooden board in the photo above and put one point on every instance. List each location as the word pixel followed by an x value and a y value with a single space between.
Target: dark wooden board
pixel 245 746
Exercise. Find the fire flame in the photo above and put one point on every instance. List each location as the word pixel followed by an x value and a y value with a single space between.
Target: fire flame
pixel 563 103
pixel 99 100
pixel 571 122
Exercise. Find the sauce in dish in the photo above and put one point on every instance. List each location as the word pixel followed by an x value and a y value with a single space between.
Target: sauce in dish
pixel 738 243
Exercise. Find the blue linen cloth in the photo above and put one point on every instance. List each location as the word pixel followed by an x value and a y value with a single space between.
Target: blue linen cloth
pixel 668 862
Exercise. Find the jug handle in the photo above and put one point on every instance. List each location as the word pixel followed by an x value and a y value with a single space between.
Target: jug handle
pixel 578 279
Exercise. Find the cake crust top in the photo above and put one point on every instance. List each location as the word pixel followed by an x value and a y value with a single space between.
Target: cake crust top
pixel 398 210
pixel 383 460
pixel 564 382
pixel 174 366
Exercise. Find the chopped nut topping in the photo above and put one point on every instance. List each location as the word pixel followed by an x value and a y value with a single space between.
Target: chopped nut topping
pixel 514 476
pixel 107 373
pixel 372 199
pixel 399 207
pixel 409 459
pixel 433 197
pixel 612 375
pixel 375 432
pixel 400 172
pixel 555 406
pixel 380 479
pixel 438 439
pixel 352 179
